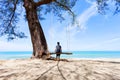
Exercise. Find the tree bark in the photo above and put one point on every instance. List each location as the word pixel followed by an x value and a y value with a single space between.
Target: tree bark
pixel 39 43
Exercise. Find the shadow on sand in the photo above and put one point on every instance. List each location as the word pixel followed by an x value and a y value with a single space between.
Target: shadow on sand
pixel 57 65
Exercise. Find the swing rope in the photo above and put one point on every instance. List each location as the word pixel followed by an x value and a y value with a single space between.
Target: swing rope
pixel 67 31
pixel 68 37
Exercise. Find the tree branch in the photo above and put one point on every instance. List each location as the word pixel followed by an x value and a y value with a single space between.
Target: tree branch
pixel 65 7
pixel 44 2
pixel 13 13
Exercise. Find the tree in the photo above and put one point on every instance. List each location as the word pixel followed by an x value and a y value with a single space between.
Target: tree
pixel 9 13
pixel 9 16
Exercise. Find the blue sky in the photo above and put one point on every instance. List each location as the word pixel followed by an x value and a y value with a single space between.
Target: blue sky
pixel 95 32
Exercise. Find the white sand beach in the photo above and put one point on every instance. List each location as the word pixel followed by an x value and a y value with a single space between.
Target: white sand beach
pixel 79 69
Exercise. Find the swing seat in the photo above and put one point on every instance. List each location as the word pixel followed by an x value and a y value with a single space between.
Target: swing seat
pixel 67 53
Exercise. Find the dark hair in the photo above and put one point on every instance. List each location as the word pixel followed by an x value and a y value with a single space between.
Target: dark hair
pixel 58 43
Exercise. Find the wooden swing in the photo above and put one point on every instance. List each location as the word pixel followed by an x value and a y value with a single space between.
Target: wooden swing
pixel 67 53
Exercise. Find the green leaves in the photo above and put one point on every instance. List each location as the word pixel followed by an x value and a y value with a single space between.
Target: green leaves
pixel 9 18
pixel 106 6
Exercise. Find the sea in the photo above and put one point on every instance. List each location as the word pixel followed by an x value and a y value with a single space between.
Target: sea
pixel 75 54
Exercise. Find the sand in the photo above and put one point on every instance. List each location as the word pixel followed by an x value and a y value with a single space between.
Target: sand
pixel 80 69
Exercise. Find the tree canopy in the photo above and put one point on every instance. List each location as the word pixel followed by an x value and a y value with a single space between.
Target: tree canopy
pixel 10 12
pixel 105 6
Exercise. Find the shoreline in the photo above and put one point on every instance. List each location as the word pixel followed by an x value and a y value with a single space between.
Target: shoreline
pixel 103 59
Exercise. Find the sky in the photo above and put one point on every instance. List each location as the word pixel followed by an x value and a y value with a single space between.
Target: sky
pixel 93 31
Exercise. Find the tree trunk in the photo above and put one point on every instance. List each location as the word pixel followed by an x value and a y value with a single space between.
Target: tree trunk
pixel 37 35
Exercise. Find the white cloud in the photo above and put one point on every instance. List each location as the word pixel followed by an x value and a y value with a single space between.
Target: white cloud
pixel 112 40
pixel 81 20
pixel 86 15
pixel 67 34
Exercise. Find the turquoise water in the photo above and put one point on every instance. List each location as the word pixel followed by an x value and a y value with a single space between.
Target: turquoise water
pixel 76 54
pixel 15 55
